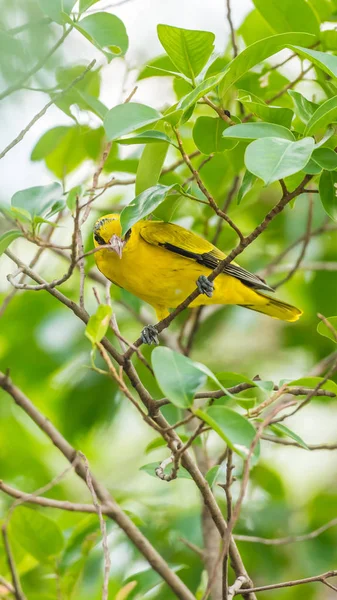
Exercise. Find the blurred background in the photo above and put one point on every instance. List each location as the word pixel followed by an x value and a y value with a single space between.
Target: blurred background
pixel 292 490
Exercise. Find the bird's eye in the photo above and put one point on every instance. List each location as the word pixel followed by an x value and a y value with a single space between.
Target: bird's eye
pixel 99 239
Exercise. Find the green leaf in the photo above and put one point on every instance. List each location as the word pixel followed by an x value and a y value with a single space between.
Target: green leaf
pixel 283 431
pixel 94 104
pixel 272 159
pixel 324 330
pixel 147 137
pixel 254 28
pixel 105 30
pixel 328 39
pixel 48 142
pixel 328 193
pixel 325 114
pixel 213 474
pixel 246 185
pixel 188 49
pixel 312 168
pixel 37 200
pixel 55 8
pixel 258 52
pixel 85 4
pixel 250 57
pixel 144 204
pixel 232 427
pixel 271 114
pixel 98 323
pixel 254 131
pixel 72 196
pixel 150 469
pixel 288 15
pixel 37 534
pixel 7 238
pixel 304 108
pixel 177 376
pixel 125 118
pixel 64 148
pixel 325 158
pixel 311 382
pixel 322 60
pixel 158 67
pixel 150 165
pixel 207 135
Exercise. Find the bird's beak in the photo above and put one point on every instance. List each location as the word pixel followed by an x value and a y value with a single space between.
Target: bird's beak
pixel 117 245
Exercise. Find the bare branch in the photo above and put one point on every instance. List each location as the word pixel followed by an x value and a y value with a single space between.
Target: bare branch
pixel 115 512
pixel 277 586
pixel 18 593
pixel 303 251
pixel 286 540
pixel 204 190
pixel 231 27
pixel 102 524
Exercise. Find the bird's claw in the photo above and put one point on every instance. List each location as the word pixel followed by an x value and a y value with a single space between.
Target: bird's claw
pixel 205 286
pixel 149 335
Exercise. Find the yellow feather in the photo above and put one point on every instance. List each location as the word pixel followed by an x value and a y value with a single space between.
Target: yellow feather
pixel 164 278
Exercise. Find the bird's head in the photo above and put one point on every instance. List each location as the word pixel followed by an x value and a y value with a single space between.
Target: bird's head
pixel 107 231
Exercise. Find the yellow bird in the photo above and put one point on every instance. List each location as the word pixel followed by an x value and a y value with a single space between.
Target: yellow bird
pixel 162 263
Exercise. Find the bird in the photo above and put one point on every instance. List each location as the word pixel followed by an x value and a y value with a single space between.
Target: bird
pixel 162 263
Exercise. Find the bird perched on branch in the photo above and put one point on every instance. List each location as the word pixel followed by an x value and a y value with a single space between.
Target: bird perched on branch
pixel 162 263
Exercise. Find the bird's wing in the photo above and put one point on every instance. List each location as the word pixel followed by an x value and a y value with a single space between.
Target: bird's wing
pixel 181 241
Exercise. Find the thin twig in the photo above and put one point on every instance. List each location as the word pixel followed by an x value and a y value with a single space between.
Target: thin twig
pixel 102 524
pixel 18 593
pixel 303 251
pixel 285 584
pixel 231 27
pixel 204 190
pixel 286 540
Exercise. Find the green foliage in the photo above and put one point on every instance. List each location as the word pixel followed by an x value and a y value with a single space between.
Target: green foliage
pixel 232 427
pixel 144 204
pixel 151 164
pixel 327 331
pixel 105 31
pixel 207 135
pixel 7 238
pixel 327 193
pixel 188 49
pixel 36 533
pixel 178 376
pixel 255 131
pixel 39 201
pixel 272 159
pixel 98 323
pixel 291 15
pixel 125 118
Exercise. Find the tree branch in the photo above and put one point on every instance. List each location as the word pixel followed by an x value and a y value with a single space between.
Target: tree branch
pixel 114 512
pixel 285 584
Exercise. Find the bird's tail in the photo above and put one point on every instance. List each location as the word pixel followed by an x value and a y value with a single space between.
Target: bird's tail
pixel 275 308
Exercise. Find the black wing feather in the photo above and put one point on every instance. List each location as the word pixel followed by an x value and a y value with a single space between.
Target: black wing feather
pixel 209 260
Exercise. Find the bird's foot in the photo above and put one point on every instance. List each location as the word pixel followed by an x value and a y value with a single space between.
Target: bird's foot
pixel 205 286
pixel 149 335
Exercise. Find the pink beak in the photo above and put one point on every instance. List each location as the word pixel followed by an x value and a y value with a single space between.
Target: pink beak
pixel 117 245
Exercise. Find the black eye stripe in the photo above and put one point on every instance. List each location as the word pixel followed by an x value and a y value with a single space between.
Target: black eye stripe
pixel 99 239
pixel 127 235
